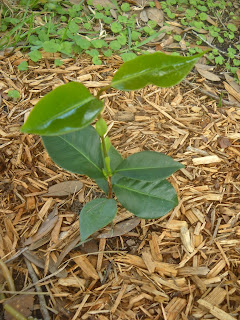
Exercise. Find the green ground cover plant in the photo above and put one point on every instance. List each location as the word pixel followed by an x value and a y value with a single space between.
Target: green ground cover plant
pixel 63 119
pixel 70 29
pixel 214 23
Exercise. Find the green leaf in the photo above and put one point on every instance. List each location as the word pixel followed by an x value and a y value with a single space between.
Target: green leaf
pixel 125 7
pixel 232 27
pixel 147 200
pixel 23 66
pixel 35 55
pixel 98 43
pixel 219 60
pixel 95 215
pixel 93 53
pixel 14 94
pixel 73 27
pixel 79 152
pixel 67 108
pixel 58 62
pixel 135 35
pixel 108 53
pixel 115 45
pixel 148 165
pixel 82 42
pixel 96 61
pixel 116 27
pixel 158 68
pixel 127 56
pixel 101 127
pixel 51 46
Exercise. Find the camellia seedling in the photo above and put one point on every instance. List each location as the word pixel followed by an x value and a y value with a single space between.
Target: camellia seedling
pixel 63 119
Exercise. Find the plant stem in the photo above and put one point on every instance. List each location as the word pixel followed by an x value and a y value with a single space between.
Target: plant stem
pixel 109 188
pixel 107 163
pixel 7 275
pixel 13 312
pixel 101 90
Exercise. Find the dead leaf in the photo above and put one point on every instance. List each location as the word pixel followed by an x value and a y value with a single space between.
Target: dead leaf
pixel 208 75
pixel 231 91
pixel 22 303
pixel 158 4
pixel 155 15
pixel 143 16
pixel 204 66
pixel 47 225
pixel 232 82
pixel 64 188
pixel 120 228
pixel 223 142
pixel 104 3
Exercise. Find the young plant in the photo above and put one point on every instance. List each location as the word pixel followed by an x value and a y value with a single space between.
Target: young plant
pixel 63 119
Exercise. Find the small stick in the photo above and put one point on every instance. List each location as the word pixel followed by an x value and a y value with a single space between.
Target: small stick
pixel 212 95
pixel 41 298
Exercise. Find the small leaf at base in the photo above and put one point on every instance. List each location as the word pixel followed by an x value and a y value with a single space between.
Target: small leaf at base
pixel 95 215
pixel 147 200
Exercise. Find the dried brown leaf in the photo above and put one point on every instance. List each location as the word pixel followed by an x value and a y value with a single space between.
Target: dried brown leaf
pixel 143 16
pixel 45 228
pixel 207 75
pixel 232 91
pixel 232 82
pixel 120 228
pixel 103 3
pixel 155 15
pixel 22 303
pixel 64 188
pixel 223 142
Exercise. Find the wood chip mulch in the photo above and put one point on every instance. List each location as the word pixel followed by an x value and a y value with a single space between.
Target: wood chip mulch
pixel 185 265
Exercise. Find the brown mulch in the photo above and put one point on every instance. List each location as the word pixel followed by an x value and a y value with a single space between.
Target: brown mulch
pixel 185 265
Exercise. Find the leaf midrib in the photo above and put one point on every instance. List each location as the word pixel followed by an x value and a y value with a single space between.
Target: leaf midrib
pixel 84 155
pixel 141 193
pixel 143 168
pixel 144 73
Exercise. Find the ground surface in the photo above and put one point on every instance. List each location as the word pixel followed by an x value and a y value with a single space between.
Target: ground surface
pixel 182 266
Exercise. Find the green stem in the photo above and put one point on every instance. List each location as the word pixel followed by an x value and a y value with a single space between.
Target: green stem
pixel 7 275
pixel 101 90
pixel 13 312
pixel 107 163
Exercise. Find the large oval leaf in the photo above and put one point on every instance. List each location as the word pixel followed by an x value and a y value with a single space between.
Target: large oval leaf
pixel 78 152
pixel 67 108
pixel 148 165
pixel 157 68
pixel 147 200
pixel 95 215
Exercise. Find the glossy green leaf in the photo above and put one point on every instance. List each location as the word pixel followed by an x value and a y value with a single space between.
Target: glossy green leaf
pixel 157 68
pixel 115 160
pixel 147 200
pixel 65 109
pixel 95 215
pixel 101 127
pixel 78 152
pixel 148 165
